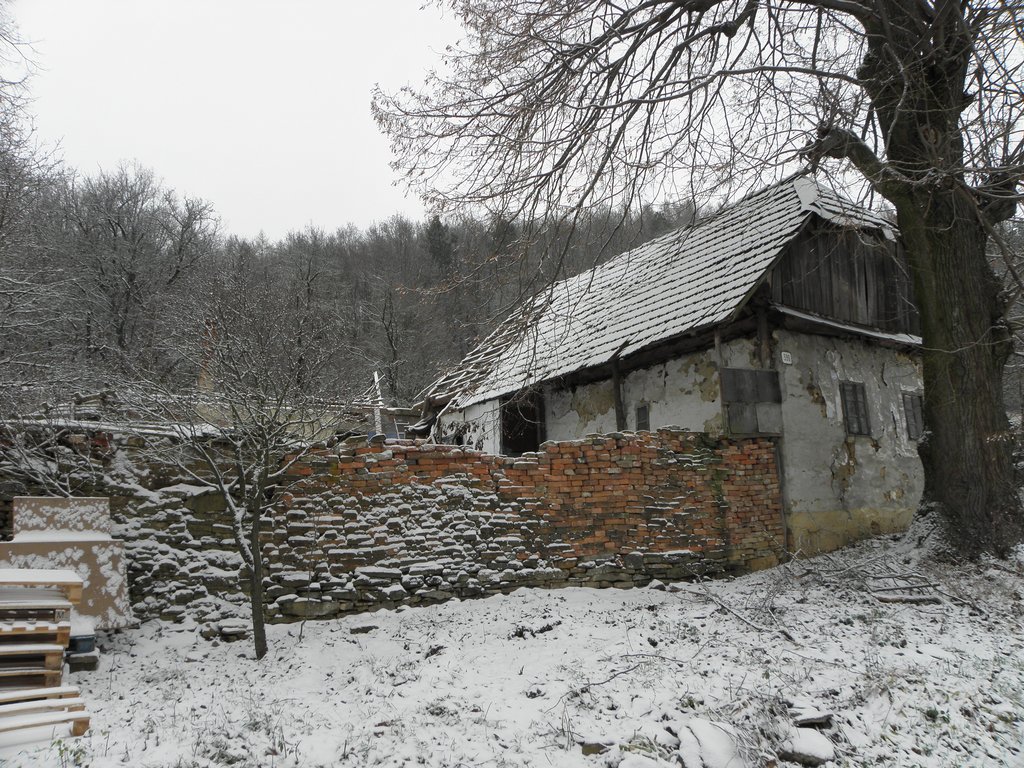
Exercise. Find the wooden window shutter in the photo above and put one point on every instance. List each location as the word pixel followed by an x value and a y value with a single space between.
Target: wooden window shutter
pixel 913 409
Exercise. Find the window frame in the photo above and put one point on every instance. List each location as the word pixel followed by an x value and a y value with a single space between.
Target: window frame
pixel 854 397
pixel 646 409
pixel 913 415
pixel 522 423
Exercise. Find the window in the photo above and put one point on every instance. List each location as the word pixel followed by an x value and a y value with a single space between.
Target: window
pixel 913 409
pixel 643 418
pixel 855 408
pixel 522 423
pixel 752 399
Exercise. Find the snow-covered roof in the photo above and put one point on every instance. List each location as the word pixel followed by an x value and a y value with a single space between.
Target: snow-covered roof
pixel 690 279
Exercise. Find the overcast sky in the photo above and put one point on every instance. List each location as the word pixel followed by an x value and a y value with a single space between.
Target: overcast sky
pixel 260 106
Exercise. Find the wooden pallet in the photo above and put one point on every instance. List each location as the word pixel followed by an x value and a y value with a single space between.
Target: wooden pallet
pixel 35 630
pixel 18 678
pixel 47 656
pixel 37 714
pixel 17 605
pixel 31 694
pixel 66 582
pixel 35 612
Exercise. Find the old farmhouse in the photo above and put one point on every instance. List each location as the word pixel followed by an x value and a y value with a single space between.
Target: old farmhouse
pixel 787 314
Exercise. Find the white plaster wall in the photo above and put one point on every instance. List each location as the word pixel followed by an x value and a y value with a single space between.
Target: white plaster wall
pixel 478 425
pixel 683 393
pixel 840 487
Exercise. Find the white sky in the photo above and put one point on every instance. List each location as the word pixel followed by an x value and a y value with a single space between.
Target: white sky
pixel 259 106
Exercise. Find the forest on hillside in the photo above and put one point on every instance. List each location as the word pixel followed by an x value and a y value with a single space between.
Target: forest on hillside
pixel 112 279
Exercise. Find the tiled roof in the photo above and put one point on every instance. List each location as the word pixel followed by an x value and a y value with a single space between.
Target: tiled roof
pixel 689 279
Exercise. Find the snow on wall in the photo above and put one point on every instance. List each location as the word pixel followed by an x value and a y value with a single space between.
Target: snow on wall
pixel 73 534
pixel 383 524
pixel 37 513
pixel 182 558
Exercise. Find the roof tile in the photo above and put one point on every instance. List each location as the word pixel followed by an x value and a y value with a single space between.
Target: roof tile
pixel 688 279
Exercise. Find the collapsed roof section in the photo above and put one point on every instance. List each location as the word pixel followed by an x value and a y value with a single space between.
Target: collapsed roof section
pixel 691 279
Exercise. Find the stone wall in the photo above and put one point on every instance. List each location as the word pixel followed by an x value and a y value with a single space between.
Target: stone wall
pixel 404 523
pixel 179 552
pixel 369 525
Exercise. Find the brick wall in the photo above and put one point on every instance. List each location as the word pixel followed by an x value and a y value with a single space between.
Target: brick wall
pixel 405 522
pixel 366 526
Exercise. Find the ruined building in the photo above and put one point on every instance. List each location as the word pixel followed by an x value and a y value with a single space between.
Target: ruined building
pixel 788 314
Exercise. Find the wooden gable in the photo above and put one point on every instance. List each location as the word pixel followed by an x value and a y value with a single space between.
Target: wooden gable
pixel 854 276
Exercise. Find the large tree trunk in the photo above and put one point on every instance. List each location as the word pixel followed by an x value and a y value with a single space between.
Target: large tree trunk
pixel 968 452
pixel 915 71
pixel 259 632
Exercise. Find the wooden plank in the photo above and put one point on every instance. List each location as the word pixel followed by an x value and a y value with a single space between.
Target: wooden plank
pixel 39 609
pixel 13 627
pixel 79 721
pixel 28 694
pixel 68 582
pixel 20 655
pixel 70 704
pixel 42 603
pixel 13 674
pixel 15 592
pixel 26 649
pixel 44 631
pixel 38 577
pixel 53 661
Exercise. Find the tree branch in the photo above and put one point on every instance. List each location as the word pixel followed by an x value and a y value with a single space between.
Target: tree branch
pixel 842 144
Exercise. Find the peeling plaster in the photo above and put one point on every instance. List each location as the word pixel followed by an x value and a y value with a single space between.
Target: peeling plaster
pixel 707 373
pixel 478 427
pixel 844 467
pixel 714 426
pixel 588 403
pixel 841 487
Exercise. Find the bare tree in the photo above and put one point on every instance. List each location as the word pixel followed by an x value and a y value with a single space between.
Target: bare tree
pixel 551 107
pixel 261 356
pixel 132 245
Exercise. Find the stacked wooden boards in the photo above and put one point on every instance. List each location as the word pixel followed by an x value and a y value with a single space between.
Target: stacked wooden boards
pixel 35 627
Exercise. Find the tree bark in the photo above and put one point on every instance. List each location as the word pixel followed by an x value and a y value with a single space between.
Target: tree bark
pixel 968 451
pixel 259 632
pixel 915 73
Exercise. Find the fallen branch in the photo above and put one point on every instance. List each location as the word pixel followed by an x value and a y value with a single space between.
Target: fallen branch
pixel 904 587
pixel 753 625
pixel 963 601
pixel 908 598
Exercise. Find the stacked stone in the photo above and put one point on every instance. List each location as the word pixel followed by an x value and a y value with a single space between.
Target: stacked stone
pixel 405 522
pixel 181 555
pixel 408 522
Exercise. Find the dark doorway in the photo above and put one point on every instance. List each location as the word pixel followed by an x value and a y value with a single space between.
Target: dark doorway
pixel 522 423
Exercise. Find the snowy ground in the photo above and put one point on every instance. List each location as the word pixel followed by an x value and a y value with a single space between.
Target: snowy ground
pixel 539 678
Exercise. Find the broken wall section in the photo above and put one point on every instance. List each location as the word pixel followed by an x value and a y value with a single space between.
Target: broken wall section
pixel 407 523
